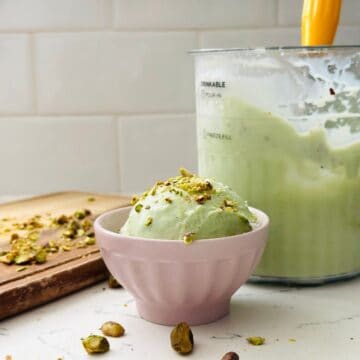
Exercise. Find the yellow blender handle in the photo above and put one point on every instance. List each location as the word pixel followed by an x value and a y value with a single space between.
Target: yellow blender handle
pixel 319 22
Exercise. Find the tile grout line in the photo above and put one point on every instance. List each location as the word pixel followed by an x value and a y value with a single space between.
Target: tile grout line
pixel 277 14
pixel 112 17
pixel 150 30
pixel 118 155
pixel 33 73
pixel 156 30
pixel 105 9
pixel 149 114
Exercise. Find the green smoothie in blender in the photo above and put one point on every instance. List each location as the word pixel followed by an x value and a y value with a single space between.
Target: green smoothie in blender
pixel 283 129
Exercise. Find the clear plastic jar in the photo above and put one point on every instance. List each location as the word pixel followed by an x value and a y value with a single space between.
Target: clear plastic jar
pixel 282 127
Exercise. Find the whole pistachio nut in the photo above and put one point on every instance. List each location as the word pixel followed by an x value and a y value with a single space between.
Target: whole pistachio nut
pixel 112 328
pixel 95 344
pixel 182 340
pixel 230 356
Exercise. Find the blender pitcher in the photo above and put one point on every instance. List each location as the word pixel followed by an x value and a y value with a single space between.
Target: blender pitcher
pixel 281 126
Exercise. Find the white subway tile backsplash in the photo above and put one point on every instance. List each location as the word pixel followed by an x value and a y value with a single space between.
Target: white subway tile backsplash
pixel 154 147
pixel 30 15
pixel 16 94
pixel 290 12
pixel 82 80
pixel 115 72
pixel 160 14
pixel 347 35
pixel 350 13
pixel 250 38
pixel 42 154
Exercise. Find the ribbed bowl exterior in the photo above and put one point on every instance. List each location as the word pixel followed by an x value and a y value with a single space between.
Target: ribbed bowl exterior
pixel 173 282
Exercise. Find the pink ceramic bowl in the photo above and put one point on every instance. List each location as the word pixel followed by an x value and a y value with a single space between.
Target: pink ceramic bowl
pixel 173 282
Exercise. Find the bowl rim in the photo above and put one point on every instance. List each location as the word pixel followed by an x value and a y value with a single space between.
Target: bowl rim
pixel 99 227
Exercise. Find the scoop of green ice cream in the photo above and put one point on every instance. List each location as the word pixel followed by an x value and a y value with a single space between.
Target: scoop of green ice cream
pixel 188 208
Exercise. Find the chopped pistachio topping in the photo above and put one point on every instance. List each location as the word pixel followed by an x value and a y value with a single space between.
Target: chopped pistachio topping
pixel 229 203
pixel 40 257
pixel 229 206
pixel 189 238
pixel 70 233
pixel 86 225
pixel 198 189
pixel 113 283
pixel 33 236
pixel 138 207
pixel 134 200
pixel 25 237
pixel 82 213
pixel 185 173
pixel 21 268
pixel 209 185
pixel 91 199
pixel 61 220
pixel 80 232
pixel 90 240
pixel 7 258
pixel 24 258
pixel 186 191
pixel 81 244
pixel 256 340
pixel 200 199
pixel 14 237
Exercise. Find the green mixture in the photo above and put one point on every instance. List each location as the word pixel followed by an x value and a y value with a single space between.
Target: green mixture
pixel 310 190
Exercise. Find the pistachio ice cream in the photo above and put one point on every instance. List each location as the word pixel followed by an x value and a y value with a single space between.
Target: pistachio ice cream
pixel 188 208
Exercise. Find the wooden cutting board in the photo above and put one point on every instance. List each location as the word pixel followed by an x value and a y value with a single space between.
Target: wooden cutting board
pixel 63 272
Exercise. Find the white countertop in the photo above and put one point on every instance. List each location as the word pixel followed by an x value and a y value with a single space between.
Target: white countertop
pixel 324 321
pixel 298 323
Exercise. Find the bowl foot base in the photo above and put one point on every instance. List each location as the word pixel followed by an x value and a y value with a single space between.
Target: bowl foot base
pixel 202 314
